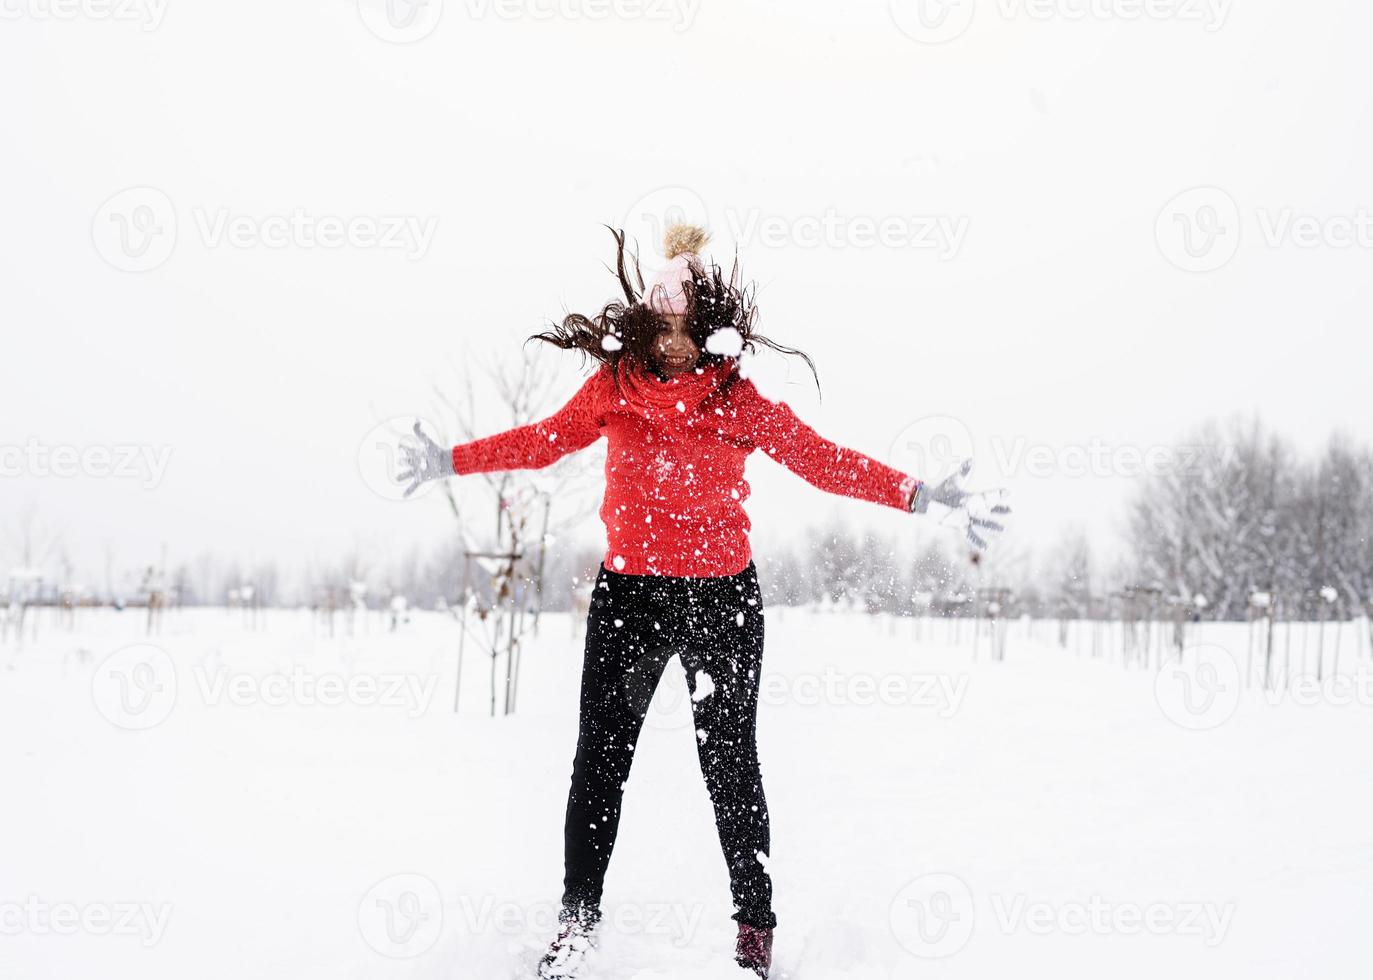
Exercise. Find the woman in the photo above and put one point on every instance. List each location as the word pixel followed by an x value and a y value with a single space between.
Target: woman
pixel 678 574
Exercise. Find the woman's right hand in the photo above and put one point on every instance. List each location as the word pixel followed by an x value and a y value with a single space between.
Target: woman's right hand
pixel 427 461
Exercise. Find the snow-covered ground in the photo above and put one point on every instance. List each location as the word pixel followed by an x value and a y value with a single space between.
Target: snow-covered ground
pixel 275 803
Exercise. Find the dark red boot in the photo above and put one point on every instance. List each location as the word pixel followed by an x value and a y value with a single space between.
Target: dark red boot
pixel 753 949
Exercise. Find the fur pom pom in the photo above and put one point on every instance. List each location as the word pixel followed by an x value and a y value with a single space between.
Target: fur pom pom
pixel 683 238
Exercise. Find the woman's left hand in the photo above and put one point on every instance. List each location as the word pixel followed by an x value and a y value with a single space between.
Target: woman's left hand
pixel 972 511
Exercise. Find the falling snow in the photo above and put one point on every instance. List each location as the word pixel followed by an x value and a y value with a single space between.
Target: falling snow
pixel 727 342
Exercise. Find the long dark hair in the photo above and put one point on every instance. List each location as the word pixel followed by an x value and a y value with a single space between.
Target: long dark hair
pixel 714 302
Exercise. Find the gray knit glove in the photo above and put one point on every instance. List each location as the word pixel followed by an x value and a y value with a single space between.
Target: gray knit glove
pixel 970 511
pixel 427 461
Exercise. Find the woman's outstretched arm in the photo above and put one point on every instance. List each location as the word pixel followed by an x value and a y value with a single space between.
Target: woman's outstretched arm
pixel 527 447
pixel 530 447
pixel 777 431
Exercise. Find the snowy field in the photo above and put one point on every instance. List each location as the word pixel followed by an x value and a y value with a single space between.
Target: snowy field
pixel 278 804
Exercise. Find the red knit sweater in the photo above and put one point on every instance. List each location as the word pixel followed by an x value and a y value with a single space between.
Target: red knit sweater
pixel 674 470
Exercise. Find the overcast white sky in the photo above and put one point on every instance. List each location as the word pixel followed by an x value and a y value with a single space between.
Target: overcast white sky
pixel 1053 145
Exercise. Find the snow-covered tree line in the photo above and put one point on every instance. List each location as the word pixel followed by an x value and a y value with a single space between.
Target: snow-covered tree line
pixel 827 564
pixel 1257 517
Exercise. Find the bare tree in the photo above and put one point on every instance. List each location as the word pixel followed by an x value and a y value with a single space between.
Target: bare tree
pixel 507 520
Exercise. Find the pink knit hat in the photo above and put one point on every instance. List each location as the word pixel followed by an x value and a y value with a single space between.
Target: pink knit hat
pixel 665 292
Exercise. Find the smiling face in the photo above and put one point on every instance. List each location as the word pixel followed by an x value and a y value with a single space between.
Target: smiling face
pixel 673 348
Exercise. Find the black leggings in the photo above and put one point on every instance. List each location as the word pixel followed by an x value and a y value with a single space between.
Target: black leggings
pixel 635 624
